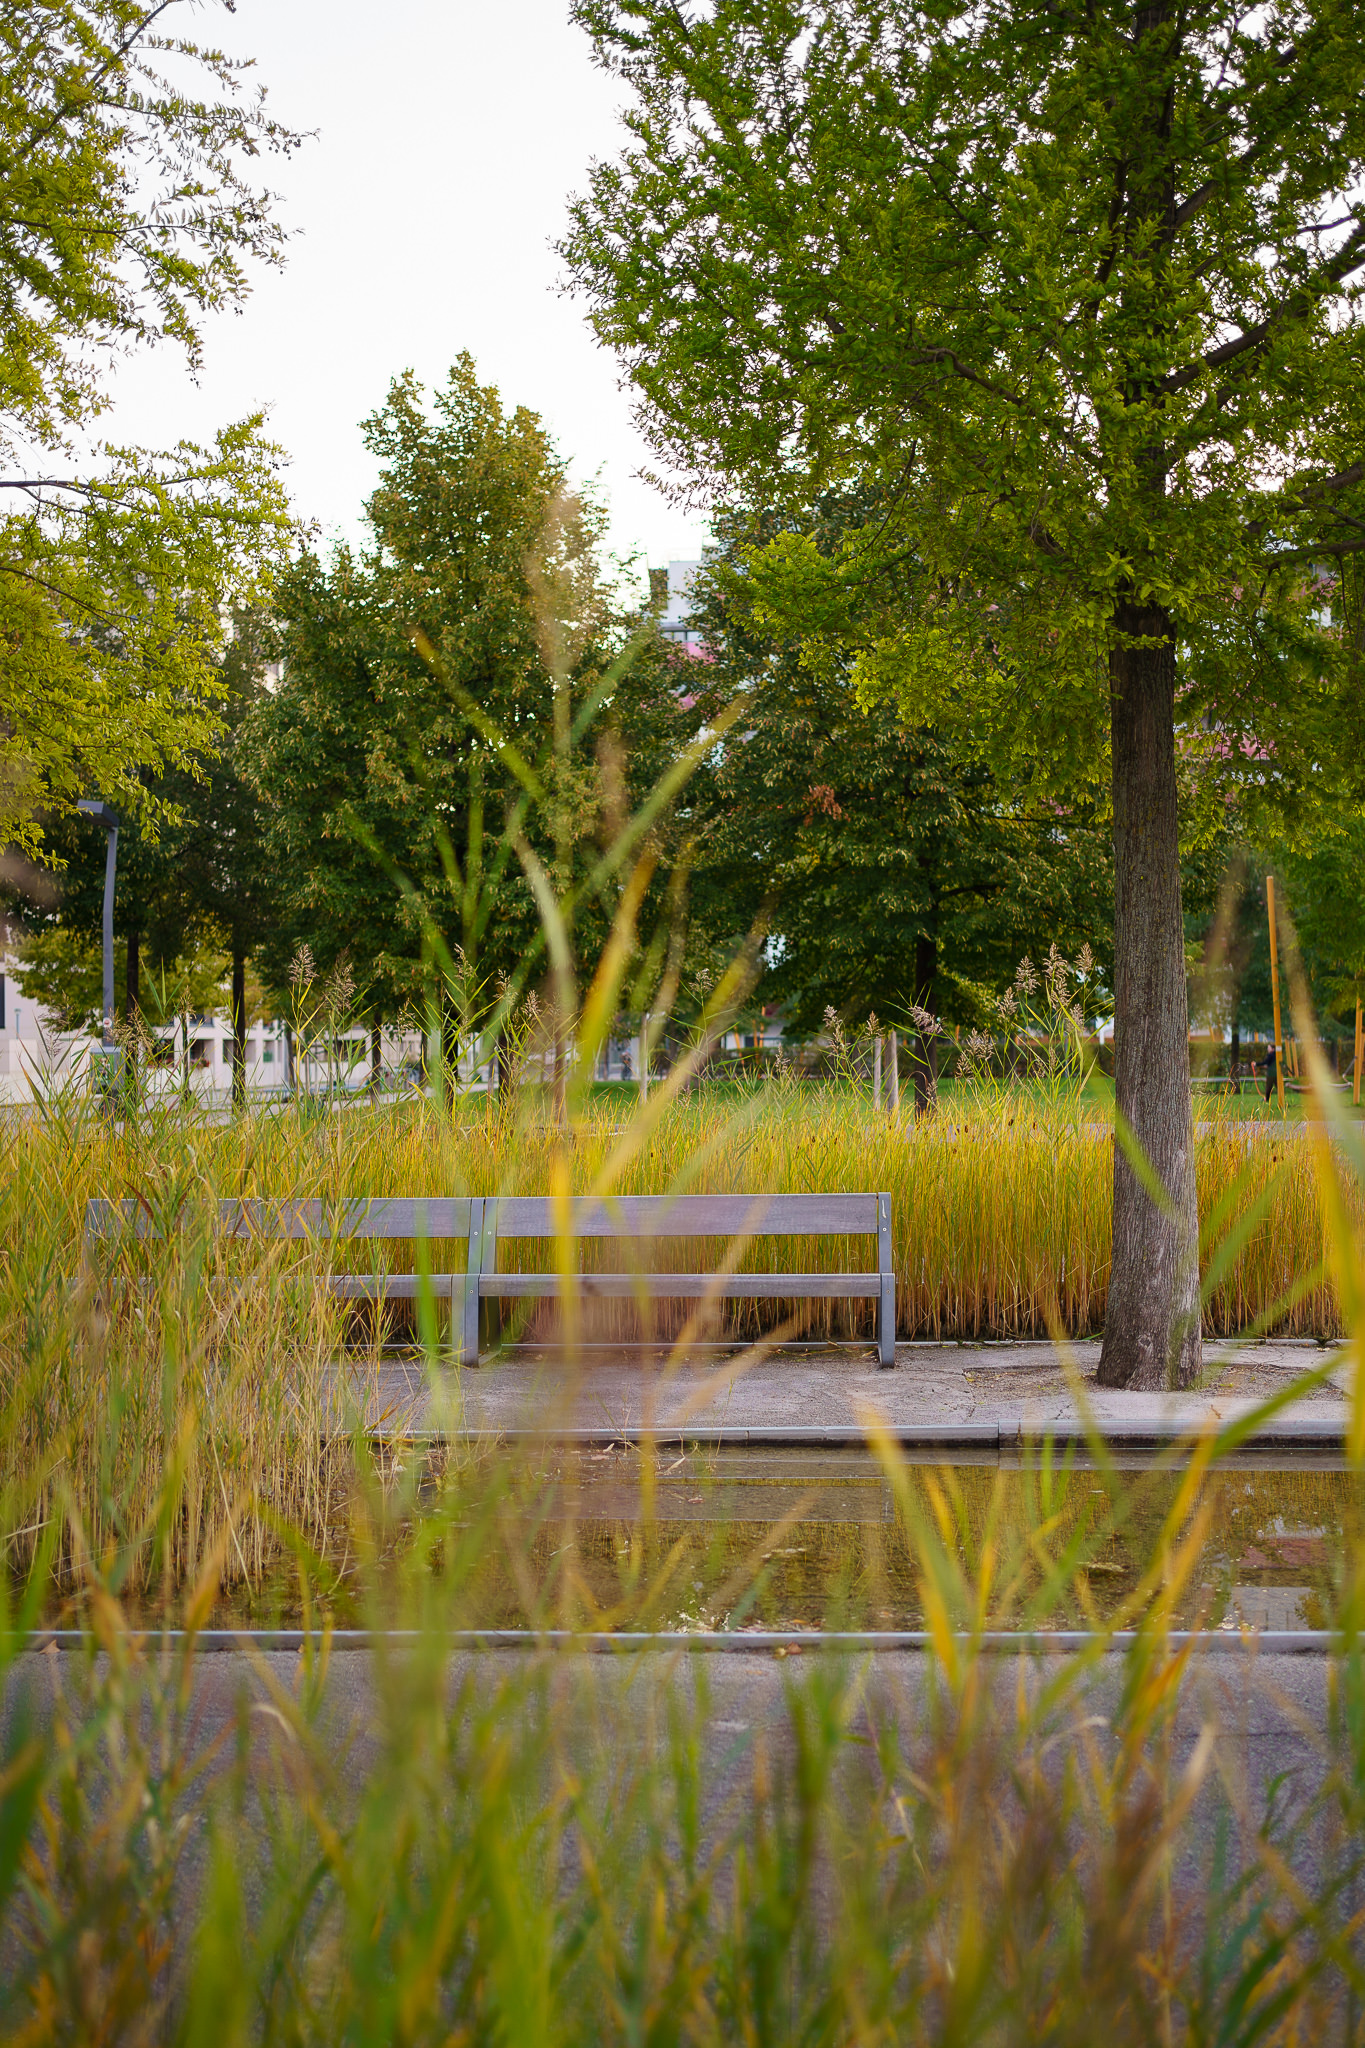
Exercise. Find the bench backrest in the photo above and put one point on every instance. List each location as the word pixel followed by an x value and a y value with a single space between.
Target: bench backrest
pixel 687 1216
pixel 408 1216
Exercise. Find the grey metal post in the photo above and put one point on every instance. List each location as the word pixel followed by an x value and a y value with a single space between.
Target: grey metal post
pixel 110 862
pixel 106 816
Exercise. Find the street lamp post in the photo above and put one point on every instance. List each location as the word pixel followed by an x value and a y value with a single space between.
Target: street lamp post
pixel 104 815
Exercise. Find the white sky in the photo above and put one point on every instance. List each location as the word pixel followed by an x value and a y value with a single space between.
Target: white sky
pixel 450 133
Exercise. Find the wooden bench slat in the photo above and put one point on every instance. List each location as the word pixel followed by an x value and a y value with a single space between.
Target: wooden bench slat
pixel 420 1216
pixel 726 1286
pixel 394 1286
pixel 384 1217
pixel 687 1216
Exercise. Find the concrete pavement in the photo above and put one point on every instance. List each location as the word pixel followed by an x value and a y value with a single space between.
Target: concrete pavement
pixel 1267 1717
pixel 992 1389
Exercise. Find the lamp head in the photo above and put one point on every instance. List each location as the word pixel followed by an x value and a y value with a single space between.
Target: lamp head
pixel 103 813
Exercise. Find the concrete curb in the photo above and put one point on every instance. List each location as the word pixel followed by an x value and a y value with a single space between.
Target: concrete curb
pixel 1004 1432
pixel 1059 1642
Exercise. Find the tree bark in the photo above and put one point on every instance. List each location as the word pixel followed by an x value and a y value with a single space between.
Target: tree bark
pixel 1151 1330
pixel 238 1030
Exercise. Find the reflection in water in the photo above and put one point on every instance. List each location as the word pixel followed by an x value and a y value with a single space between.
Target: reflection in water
pixel 795 1539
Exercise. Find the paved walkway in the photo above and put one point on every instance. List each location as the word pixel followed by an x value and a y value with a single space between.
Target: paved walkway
pixel 1012 1386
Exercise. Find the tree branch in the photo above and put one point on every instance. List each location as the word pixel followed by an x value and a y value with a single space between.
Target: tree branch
pixel 1317 550
pixel 1304 496
pixel 1351 253
pixel 925 357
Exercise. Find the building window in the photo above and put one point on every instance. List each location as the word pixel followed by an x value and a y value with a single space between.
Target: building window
pixel 227 1052
pixel 267 1055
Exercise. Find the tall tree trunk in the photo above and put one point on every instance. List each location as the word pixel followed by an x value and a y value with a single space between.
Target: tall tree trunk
pixel 1151 1330
pixel 134 976
pixel 238 1030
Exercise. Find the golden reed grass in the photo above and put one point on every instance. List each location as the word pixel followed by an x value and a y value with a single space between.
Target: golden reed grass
pixel 1001 1231
pixel 1002 1215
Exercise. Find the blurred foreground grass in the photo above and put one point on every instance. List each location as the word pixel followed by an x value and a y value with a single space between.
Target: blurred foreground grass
pixel 406 1845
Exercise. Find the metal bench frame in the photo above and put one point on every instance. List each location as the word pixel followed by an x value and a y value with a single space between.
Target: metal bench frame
pixel 419 1218
pixel 485 1222
pixel 638 1217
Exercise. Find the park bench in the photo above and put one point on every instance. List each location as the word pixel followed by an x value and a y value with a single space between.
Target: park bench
pixel 639 1218
pixel 486 1223
pixel 415 1219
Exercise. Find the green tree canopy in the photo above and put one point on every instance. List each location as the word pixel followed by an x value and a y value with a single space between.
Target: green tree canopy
pixel 1079 288
pixel 449 723
pixel 198 894
pixel 894 871
pixel 126 212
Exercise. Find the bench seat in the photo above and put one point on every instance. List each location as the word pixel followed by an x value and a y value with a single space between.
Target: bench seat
pixel 733 1286
pixel 485 1223
pixel 637 1218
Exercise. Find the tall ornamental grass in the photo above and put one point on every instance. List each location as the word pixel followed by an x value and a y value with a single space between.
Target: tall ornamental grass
pixel 219 1358
pixel 421 1842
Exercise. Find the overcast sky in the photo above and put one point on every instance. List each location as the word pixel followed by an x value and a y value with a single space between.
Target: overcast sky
pixel 450 133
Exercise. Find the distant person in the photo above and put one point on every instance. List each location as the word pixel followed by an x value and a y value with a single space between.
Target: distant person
pixel 1269 1072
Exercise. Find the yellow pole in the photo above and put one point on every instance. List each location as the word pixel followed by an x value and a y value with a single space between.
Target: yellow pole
pixel 1275 990
pixel 1355 1082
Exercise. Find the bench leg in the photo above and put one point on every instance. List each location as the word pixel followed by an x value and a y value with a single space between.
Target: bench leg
pixel 467 1336
pixel 467 1341
pixel 886 1321
pixel 886 1300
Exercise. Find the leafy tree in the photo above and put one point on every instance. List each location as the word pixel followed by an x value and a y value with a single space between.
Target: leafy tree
pixel 112 598
pixel 61 967
pixel 147 913
pixel 1229 940
pixel 894 870
pixel 224 889
pixel 449 727
pixel 1078 288
pixel 197 890
pixel 125 214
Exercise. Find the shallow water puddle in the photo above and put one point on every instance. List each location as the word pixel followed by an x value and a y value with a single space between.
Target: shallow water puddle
pixel 799 1539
